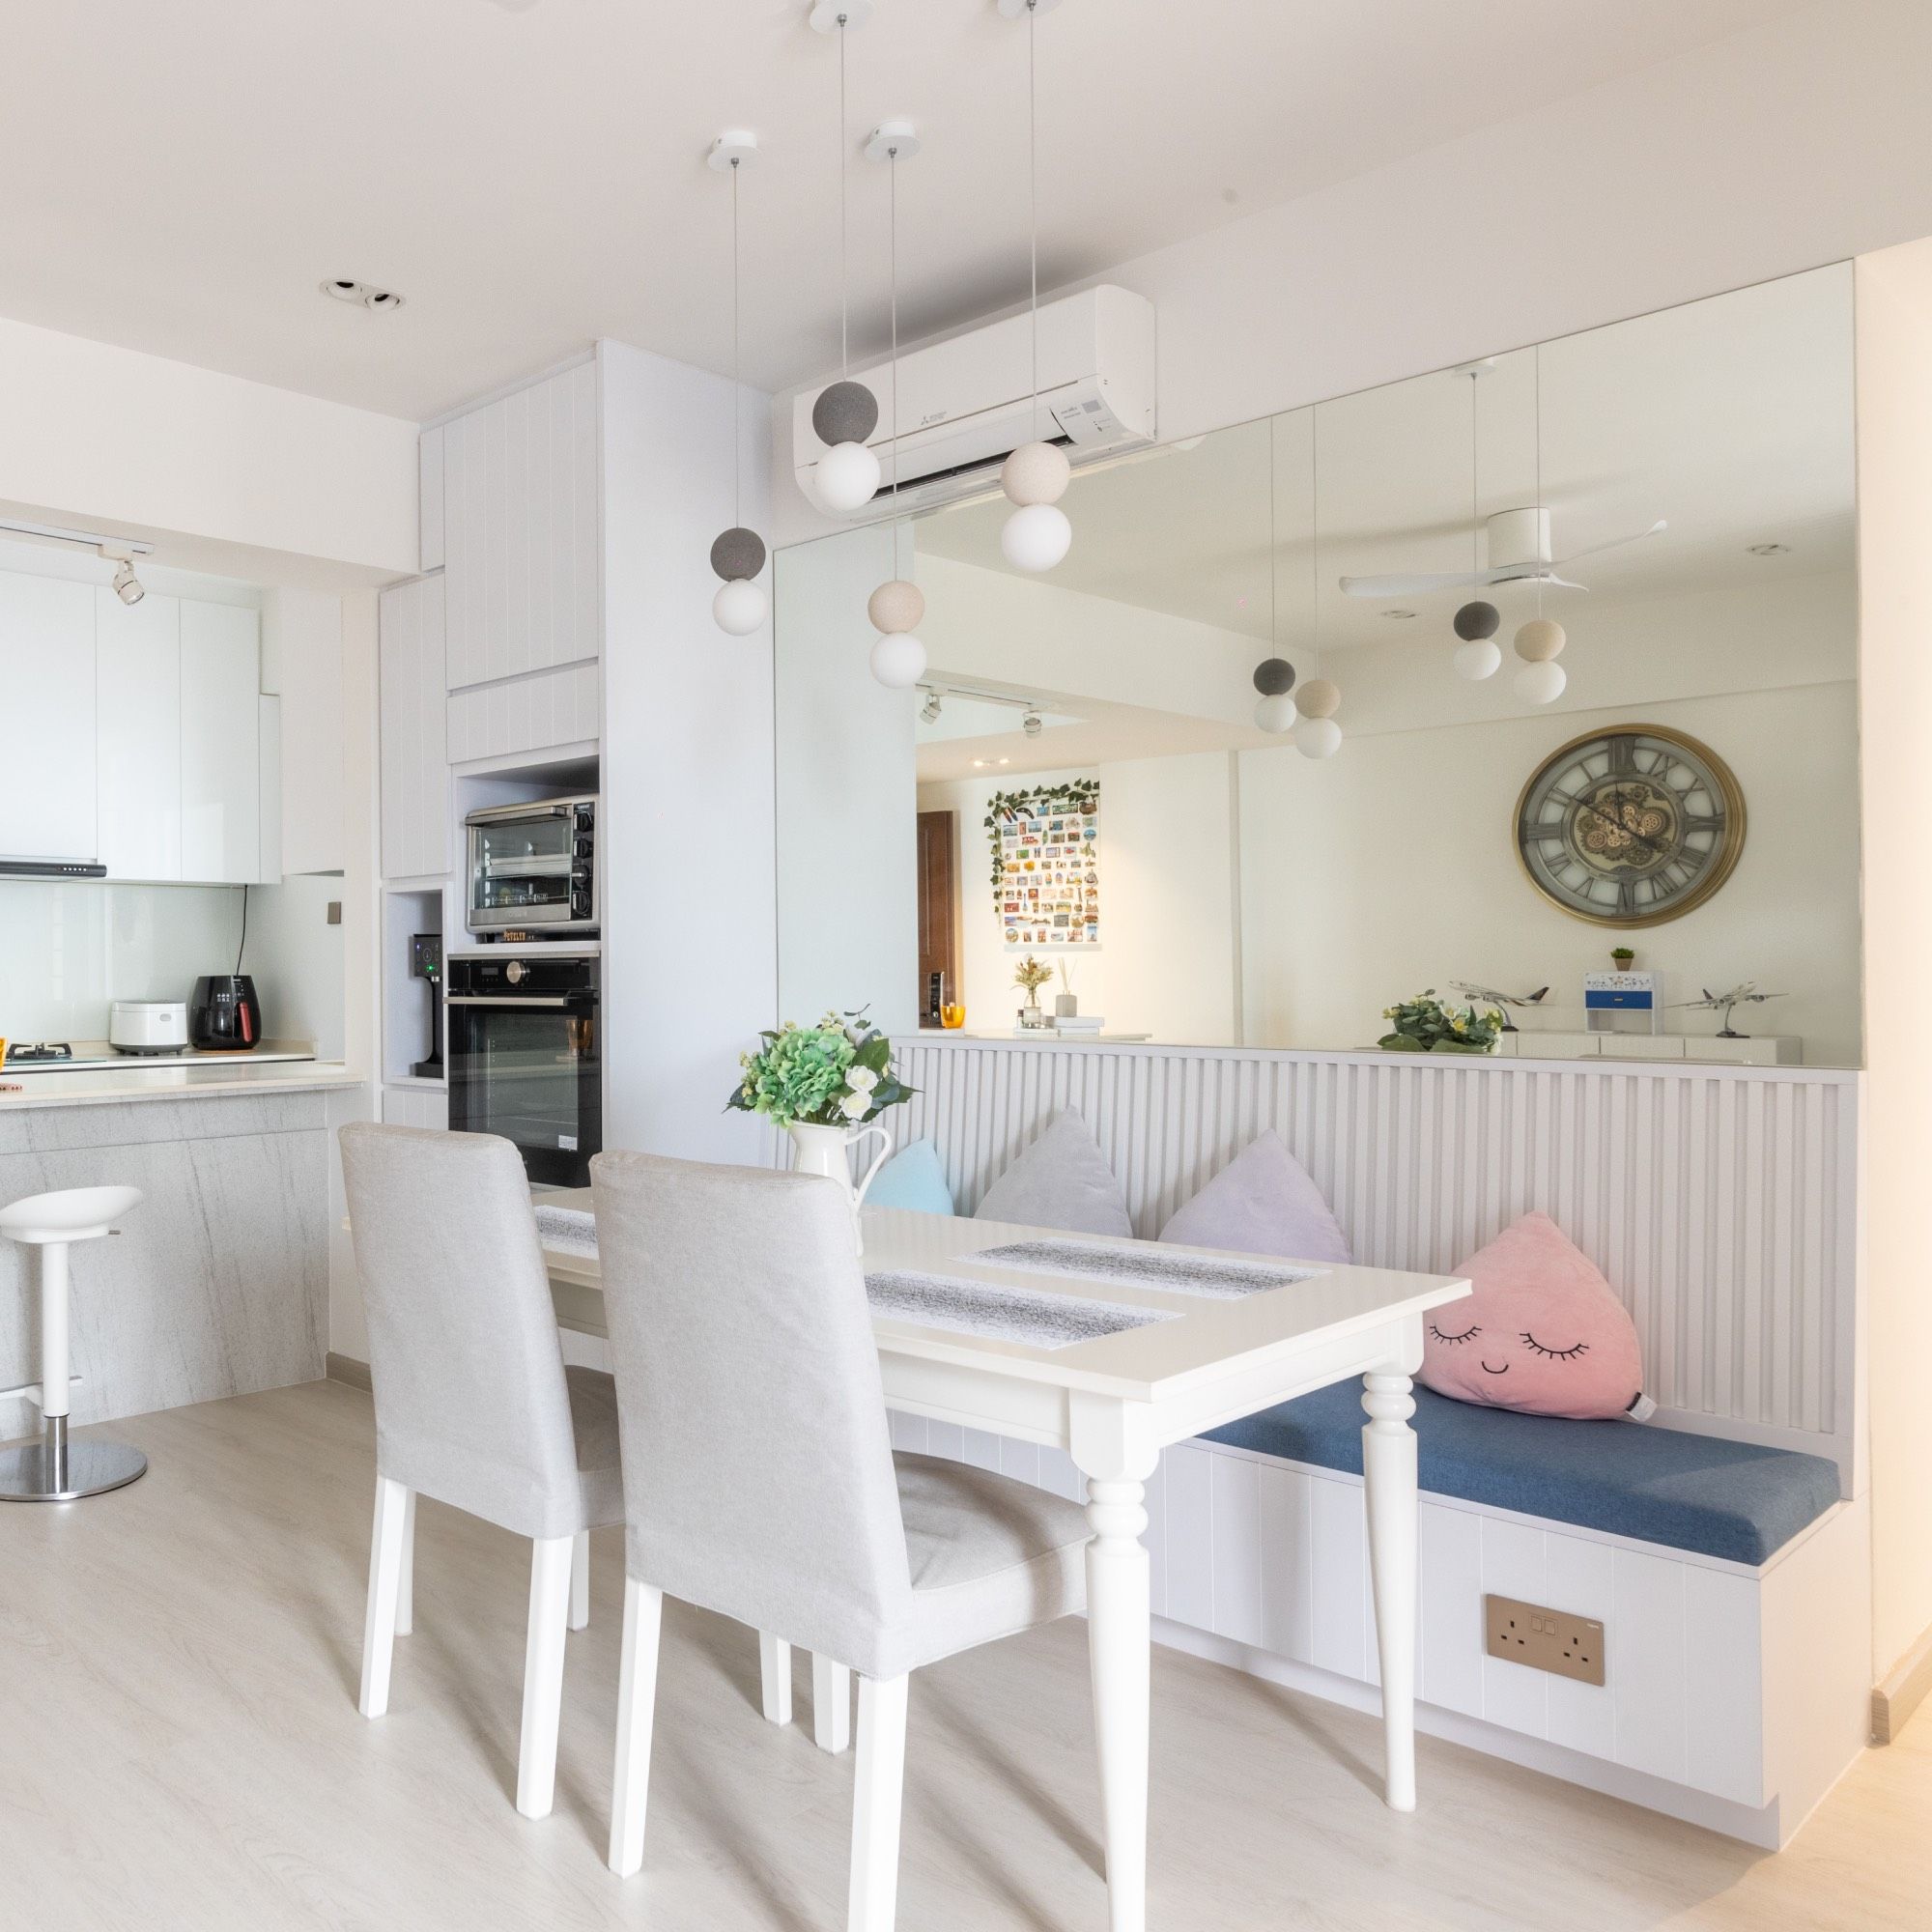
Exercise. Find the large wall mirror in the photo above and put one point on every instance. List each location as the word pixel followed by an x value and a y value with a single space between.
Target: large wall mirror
pixel 1080 779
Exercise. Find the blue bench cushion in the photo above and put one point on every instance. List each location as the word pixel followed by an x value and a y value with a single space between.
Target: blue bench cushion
pixel 1721 1499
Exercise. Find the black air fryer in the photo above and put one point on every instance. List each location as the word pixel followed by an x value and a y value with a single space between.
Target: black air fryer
pixel 224 1016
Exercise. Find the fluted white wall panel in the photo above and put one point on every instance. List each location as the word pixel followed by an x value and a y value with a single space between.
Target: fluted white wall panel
pixel 1720 1202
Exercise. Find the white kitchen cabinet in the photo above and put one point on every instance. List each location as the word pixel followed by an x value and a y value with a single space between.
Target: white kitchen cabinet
pixel 220 749
pixel 520 484
pixel 269 868
pixel 138 734
pixel 414 745
pixel 47 806
pixel 429 478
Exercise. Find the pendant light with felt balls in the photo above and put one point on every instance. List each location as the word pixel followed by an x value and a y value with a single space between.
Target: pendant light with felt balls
pixel 737 555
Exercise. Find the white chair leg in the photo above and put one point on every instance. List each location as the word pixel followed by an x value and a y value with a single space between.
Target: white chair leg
pixel 878 1784
pixel 543 1674
pixel 636 1706
pixel 831 1704
pixel 775 1677
pixel 406 1582
pixel 379 1626
pixel 580 1580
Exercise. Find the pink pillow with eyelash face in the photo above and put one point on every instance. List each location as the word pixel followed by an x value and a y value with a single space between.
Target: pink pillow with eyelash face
pixel 1542 1332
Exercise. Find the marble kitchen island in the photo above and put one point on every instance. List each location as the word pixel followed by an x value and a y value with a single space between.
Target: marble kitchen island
pixel 218 1282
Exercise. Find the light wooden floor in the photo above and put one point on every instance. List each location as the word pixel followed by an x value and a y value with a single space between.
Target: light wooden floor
pixel 180 1748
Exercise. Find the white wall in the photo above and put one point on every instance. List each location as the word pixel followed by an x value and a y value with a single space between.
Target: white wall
pixel 111 436
pixel 1797 143
pixel 689 945
pixel 1895 322
pixel 1166 961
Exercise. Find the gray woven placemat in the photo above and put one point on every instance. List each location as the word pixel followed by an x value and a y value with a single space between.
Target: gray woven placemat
pixel 1141 1267
pixel 574 1230
pixel 1006 1314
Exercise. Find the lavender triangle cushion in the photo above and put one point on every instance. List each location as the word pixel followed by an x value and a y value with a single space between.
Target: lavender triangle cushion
pixel 1542 1332
pixel 1062 1180
pixel 1262 1203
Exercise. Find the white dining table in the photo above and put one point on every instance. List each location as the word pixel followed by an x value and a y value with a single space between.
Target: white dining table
pixel 1114 1402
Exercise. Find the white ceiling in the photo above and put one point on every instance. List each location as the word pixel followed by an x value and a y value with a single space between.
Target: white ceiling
pixel 528 173
pixel 1731 417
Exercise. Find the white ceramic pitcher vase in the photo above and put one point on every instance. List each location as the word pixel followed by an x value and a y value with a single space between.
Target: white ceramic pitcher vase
pixel 824 1151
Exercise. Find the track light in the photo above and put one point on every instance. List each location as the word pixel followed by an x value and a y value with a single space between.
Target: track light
pixel 126 586
pixel 1033 723
pixel 929 710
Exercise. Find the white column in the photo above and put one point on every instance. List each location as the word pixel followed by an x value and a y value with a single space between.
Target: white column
pixel 1389 1489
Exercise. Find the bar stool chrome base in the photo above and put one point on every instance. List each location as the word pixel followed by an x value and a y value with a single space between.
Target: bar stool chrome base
pixel 55 1470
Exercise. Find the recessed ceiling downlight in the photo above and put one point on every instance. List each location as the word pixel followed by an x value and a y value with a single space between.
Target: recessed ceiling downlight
pixel 359 295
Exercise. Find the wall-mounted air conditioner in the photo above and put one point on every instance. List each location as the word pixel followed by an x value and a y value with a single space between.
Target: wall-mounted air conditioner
pixel 967 403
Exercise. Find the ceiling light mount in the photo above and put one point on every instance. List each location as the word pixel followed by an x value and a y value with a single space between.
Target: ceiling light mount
pixel 827 17
pixel 361 294
pixel 735 148
pixel 1017 10
pixel 893 141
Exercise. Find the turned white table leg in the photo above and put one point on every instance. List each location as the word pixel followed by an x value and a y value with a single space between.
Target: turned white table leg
pixel 1118 1638
pixel 1388 1471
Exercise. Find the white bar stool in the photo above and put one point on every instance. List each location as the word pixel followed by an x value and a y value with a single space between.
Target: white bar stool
pixel 53 1470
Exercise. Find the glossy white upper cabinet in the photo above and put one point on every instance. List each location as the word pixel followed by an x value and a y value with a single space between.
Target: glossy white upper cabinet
pixel 46 718
pixel 220 746
pixel 415 746
pixel 138 736
pixel 519 490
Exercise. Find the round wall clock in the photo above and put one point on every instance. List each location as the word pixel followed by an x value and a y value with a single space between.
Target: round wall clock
pixel 1630 826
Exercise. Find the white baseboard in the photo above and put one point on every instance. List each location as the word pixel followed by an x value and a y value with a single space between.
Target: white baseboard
pixel 1636 1787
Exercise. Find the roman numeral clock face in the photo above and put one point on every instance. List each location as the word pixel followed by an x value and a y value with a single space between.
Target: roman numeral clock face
pixel 1630 826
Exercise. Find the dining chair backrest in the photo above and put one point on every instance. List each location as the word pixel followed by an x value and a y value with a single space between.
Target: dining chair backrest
pixel 749 1400
pixel 472 1406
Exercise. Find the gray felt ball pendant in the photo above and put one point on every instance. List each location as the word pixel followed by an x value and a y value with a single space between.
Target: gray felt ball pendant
pixel 1273 676
pixel 1478 620
pixel 845 413
pixel 738 554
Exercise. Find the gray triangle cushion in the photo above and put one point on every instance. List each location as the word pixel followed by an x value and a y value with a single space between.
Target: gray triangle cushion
pixel 1062 1180
pixel 1262 1203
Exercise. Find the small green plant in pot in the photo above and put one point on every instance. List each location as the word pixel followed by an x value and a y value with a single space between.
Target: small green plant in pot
pixel 1425 1025
pixel 1622 958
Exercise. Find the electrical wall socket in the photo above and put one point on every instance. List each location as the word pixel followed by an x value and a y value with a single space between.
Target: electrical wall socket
pixel 1544 1639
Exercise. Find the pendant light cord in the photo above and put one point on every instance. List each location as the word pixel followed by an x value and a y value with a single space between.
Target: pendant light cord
pixel 737 385
pixel 1540 512
pixel 1033 205
pixel 1274 553
pixel 1475 492
pixel 893 254
pixel 1315 530
pixel 845 350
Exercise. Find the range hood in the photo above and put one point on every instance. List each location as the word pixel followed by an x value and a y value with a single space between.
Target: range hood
pixel 52 868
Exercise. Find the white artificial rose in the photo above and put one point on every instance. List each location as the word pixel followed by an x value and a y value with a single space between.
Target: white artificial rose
pixel 854 1105
pixel 860 1079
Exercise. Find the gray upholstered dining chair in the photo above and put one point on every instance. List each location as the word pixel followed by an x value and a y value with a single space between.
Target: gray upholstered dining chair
pixel 749 1385
pixel 474 1405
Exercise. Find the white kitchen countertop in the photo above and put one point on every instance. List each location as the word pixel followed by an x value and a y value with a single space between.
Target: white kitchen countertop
pixel 172 1080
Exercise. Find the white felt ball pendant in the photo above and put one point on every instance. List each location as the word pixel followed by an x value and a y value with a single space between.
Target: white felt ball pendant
pixel 739 608
pixel 1036 537
pixel 897 606
pixel 1319 699
pixel 1540 640
pixel 1540 683
pixel 1275 713
pixel 1478 661
pixel 899 661
pixel 1035 472
pixel 1317 737
pixel 846 479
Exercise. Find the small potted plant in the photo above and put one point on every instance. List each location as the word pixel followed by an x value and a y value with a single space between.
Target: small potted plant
pixel 1425 1025
pixel 826 1086
pixel 1032 975
pixel 1621 959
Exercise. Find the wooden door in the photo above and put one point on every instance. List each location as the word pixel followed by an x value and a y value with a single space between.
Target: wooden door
pixel 938 913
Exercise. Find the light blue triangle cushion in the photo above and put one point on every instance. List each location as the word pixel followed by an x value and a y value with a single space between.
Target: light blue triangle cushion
pixel 912 1178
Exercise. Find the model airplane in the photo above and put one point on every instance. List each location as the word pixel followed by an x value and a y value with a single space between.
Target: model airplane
pixel 1742 995
pixel 1502 1000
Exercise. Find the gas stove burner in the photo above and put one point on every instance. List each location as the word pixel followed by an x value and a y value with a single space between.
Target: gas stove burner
pixel 40 1050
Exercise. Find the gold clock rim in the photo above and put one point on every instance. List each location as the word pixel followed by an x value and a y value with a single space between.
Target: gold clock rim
pixel 1734 813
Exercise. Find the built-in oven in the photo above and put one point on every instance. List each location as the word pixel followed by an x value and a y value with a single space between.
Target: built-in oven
pixel 525 1058
pixel 534 868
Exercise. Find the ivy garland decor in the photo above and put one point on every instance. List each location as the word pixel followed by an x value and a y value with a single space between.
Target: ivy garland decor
pixel 1081 795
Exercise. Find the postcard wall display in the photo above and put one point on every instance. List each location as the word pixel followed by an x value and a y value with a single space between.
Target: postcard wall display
pixel 1046 866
